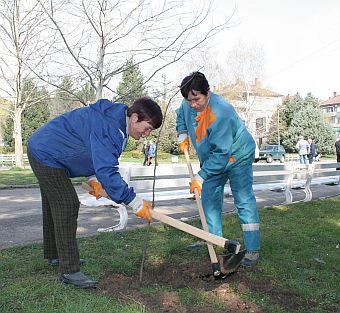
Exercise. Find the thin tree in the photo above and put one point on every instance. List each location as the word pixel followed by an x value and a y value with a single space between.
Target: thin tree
pixel 245 63
pixel 22 50
pixel 33 117
pixel 99 36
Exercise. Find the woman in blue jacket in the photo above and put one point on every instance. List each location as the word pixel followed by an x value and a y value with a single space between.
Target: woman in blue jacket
pixel 226 151
pixel 84 142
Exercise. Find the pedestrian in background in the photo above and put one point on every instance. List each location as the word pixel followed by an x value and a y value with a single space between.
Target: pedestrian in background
pixel 312 150
pixel 145 151
pixel 151 153
pixel 303 148
pixel 337 150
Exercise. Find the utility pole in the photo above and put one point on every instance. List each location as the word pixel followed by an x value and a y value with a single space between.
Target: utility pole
pixel 278 122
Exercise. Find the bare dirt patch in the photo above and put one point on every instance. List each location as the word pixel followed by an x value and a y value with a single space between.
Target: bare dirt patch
pixel 166 282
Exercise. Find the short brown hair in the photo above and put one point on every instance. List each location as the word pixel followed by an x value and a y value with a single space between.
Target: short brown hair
pixel 147 110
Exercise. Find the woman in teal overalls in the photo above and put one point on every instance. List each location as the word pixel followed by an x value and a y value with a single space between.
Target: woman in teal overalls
pixel 226 152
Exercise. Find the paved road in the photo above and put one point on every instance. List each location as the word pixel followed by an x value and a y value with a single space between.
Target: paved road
pixel 21 222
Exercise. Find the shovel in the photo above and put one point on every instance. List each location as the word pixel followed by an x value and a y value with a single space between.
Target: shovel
pixel 228 263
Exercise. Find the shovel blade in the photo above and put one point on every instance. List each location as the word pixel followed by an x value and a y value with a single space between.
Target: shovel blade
pixel 230 262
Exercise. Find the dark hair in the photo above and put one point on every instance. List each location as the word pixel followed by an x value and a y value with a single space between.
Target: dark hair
pixel 195 81
pixel 147 110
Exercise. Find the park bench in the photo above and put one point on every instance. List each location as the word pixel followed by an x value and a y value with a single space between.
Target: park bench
pixel 9 159
pixel 326 173
pixel 304 176
pixel 171 182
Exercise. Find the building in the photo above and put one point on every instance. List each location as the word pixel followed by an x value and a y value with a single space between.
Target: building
pixel 331 110
pixel 254 103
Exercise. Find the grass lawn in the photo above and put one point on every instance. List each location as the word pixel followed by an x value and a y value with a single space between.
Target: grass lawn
pixel 22 177
pixel 298 271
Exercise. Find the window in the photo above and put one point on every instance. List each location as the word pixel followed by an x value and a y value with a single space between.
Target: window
pixel 261 125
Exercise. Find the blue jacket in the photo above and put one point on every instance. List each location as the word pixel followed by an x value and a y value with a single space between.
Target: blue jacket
pixel 87 141
pixel 152 150
pixel 218 135
pixel 312 149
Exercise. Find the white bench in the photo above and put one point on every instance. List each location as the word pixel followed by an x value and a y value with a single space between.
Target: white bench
pixel 172 182
pixel 303 176
pixel 9 159
pixel 327 173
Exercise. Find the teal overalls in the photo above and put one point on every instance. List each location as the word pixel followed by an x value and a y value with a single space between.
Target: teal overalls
pixel 226 151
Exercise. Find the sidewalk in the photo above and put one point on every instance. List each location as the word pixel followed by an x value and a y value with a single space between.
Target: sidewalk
pixel 21 221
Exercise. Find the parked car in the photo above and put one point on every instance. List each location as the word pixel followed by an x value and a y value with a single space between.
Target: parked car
pixel 271 153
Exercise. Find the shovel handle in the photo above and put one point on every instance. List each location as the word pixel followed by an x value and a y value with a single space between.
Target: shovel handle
pixel 212 252
pixel 187 158
pixel 202 234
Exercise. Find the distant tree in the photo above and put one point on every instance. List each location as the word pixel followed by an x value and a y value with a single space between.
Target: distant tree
pixel 131 144
pixel 23 49
pixel 8 134
pixel 3 114
pixel 310 100
pixel 290 106
pixel 132 85
pixel 64 99
pixel 168 139
pixel 87 94
pixel 33 117
pixel 277 127
pixel 307 120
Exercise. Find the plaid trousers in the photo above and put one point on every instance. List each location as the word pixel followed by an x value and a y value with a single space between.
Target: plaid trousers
pixel 60 207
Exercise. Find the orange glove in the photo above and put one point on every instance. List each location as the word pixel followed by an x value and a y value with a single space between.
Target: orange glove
pixel 97 188
pixel 141 208
pixel 144 212
pixel 196 183
pixel 184 145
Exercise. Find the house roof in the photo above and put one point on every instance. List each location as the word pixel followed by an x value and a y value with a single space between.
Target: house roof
pixel 331 101
pixel 238 89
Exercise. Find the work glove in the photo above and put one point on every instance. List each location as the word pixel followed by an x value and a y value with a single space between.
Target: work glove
pixel 196 183
pixel 183 141
pixel 97 189
pixel 141 208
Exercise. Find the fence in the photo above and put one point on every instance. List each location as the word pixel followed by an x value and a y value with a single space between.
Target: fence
pixel 9 159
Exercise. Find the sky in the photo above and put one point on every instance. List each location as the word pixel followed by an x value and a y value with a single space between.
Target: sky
pixel 300 39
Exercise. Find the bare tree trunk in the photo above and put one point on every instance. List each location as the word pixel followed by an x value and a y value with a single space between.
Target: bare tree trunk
pixel 21 27
pixel 17 134
pixel 101 55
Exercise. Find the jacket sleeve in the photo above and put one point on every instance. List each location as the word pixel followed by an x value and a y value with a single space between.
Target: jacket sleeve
pixel 106 149
pixel 220 138
pixel 181 126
